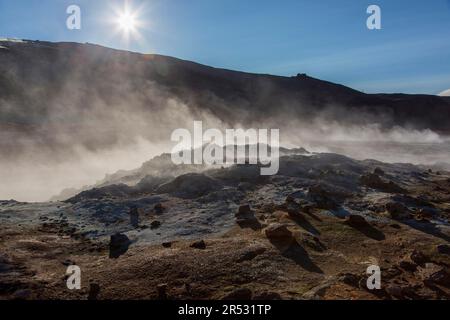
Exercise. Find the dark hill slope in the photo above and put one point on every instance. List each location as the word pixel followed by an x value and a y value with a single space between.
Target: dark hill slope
pixel 51 90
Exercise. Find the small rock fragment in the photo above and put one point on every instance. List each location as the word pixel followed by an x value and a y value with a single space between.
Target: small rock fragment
pixel 244 209
pixel 397 211
pixel 443 249
pixel 419 257
pixel 167 244
pixel 159 208
pixel 162 291
pixel 199 245
pixel 134 217
pixel 408 265
pixel 94 290
pixel 155 224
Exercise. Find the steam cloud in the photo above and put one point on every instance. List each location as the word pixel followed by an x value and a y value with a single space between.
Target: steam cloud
pixel 93 124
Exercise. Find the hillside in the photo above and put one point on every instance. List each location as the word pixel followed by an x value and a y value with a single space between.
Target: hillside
pixel 57 94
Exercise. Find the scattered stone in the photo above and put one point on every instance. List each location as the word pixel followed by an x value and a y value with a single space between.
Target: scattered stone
pixel 94 290
pixel 426 214
pixel 167 244
pixel 251 252
pixel 155 224
pixel 351 279
pixel 397 211
pixel 162 291
pixel 395 291
pixel 118 245
pixel 239 294
pixel 322 198
pixel 441 277
pixel 395 226
pixel 244 209
pixel 443 249
pixel 419 257
pixel 356 221
pixel 199 245
pixel 134 217
pixel 312 241
pixel 277 231
pixel 408 265
pixel 374 181
pixel 379 172
pixel 159 208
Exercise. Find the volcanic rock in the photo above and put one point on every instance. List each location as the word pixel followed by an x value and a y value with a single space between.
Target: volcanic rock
pixel 397 211
pixel 118 245
pixel 356 220
pixel 199 245
pixel 277 231
pixel 443 249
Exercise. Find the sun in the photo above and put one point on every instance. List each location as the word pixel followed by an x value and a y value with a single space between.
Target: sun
pixel 127 22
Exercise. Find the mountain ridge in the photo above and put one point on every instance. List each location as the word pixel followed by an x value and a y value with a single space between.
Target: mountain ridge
pixel 55 95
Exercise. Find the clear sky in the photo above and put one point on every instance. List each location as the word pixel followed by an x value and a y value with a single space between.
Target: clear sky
pixel 327 39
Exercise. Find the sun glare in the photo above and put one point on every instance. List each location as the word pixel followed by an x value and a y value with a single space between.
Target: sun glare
pixel 127 22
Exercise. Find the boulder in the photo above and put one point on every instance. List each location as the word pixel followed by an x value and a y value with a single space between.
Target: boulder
pixel 251 252
pixel 244 209
pixel 277 231
pixel 356 221
pixel 322 197
pixel 118 245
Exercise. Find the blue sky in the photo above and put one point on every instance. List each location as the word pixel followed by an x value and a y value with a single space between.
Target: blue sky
pixel 327 39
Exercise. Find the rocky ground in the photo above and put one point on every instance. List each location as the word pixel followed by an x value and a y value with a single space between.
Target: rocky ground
pixel 310 232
